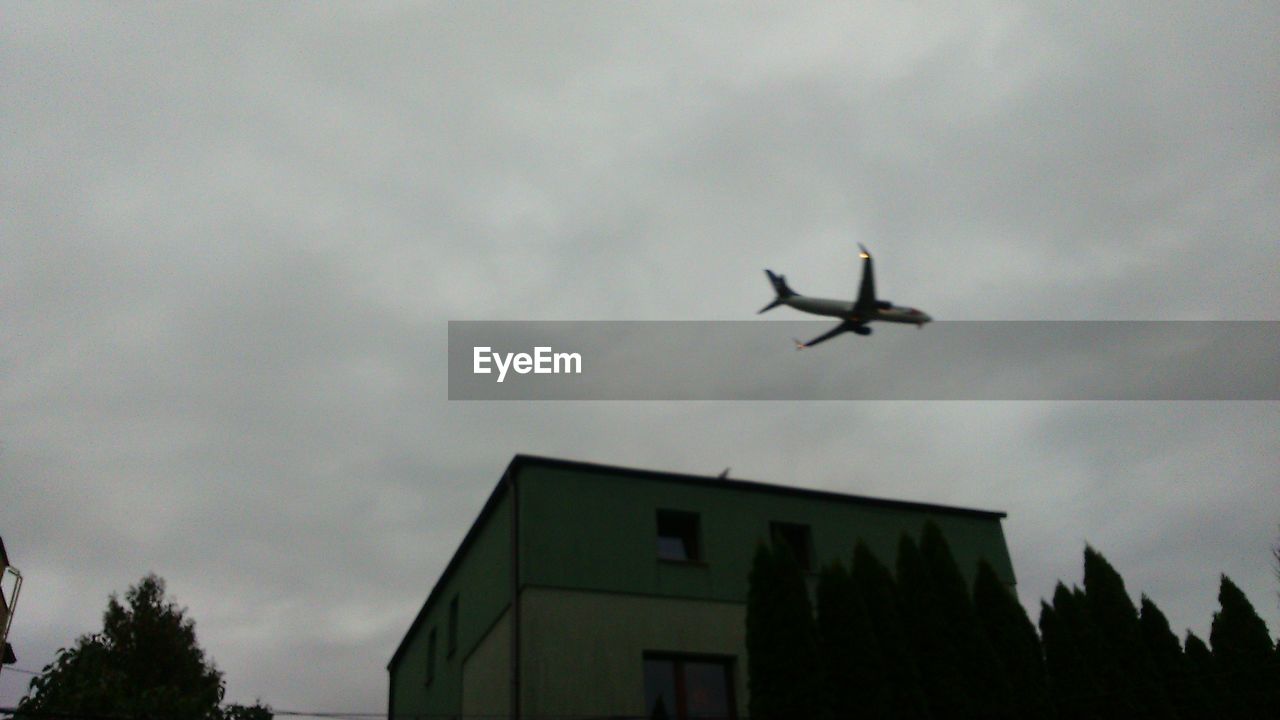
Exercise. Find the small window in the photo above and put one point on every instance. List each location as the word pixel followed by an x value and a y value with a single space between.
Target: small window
pixel 678 536
pixel 453 627
pixel 797 538
pixel 431 656
pixel 679 687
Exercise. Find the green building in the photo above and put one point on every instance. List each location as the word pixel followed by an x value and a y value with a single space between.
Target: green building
pixel 630 589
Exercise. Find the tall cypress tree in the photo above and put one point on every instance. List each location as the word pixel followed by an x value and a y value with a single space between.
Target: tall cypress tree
pixel 943 675
pixel 874 585
pixel 1200 662
pixel 1014 639
pixel 1069 645
pixel 980 665
pixel 782 650
pixel 1123 666
pixel 1242 652
pixel 1199 659
pixel 1184 689
pixel 853 679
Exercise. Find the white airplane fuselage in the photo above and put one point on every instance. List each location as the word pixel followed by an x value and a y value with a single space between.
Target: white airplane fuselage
pixel 843 309
pixel 854 315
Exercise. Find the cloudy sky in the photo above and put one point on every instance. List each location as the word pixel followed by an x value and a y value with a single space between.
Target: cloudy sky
pixel 232 236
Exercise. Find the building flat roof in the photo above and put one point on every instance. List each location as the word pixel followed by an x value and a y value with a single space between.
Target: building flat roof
pixel 521 461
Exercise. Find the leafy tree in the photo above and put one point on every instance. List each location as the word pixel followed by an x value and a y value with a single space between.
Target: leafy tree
pixel 144 663
pixel 875 586
pixel 1014 640
pixel 782 646
pixel 1242 652
pixel 256 711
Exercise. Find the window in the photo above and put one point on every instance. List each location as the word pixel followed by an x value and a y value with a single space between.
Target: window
pixel 453 627
pixel 678 536
pixel 431 656
pixel 684 687
pixel 798 538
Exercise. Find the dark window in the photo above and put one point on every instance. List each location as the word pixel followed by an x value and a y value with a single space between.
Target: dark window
pixel 453 627
pixel 796 537
pixel 431 656
pixel 685 687
pixel 678 536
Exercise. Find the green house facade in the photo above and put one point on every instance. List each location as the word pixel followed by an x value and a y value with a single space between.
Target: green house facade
pixel 630 589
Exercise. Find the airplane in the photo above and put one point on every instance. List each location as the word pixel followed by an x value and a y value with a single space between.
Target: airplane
pixel 855 315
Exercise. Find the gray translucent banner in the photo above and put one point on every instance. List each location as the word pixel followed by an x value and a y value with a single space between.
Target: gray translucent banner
pixel 757 360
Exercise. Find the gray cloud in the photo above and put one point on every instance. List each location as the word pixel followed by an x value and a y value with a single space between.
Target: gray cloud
pixel 234 236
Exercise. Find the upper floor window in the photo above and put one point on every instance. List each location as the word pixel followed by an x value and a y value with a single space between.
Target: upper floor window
pixel 796 537
pixel 678 536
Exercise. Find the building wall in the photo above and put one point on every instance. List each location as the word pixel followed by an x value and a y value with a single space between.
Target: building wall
pixel 486 673
pixel 581 530
pixel 595 597
pixel 481 581
pixel 583 651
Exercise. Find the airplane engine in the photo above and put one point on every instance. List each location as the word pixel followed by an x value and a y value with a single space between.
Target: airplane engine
pixel 862 330
pixel 884 304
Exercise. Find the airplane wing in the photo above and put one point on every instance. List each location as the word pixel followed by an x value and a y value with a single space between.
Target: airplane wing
pixel 846 326
pixel 866 301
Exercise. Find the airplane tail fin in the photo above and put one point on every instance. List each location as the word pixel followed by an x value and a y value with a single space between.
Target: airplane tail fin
pixel 780 287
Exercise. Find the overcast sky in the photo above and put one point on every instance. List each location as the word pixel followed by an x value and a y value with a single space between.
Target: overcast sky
pixel 232 235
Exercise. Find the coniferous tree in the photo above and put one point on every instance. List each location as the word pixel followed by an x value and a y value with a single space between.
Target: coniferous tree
pixel 1122 664
pixel 1200 662
pixel 782 649
pixel 943 676
pixel 1014 639
pixel 875 586
pixel 1197 654
pixel 1199 658
pixel 763 660
pixel 1242 652
pixel 1068 638
pixel 981 667
pixel 853 682
pixel 1184 689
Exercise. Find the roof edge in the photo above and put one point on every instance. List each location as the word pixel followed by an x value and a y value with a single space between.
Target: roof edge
pixel 520 461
